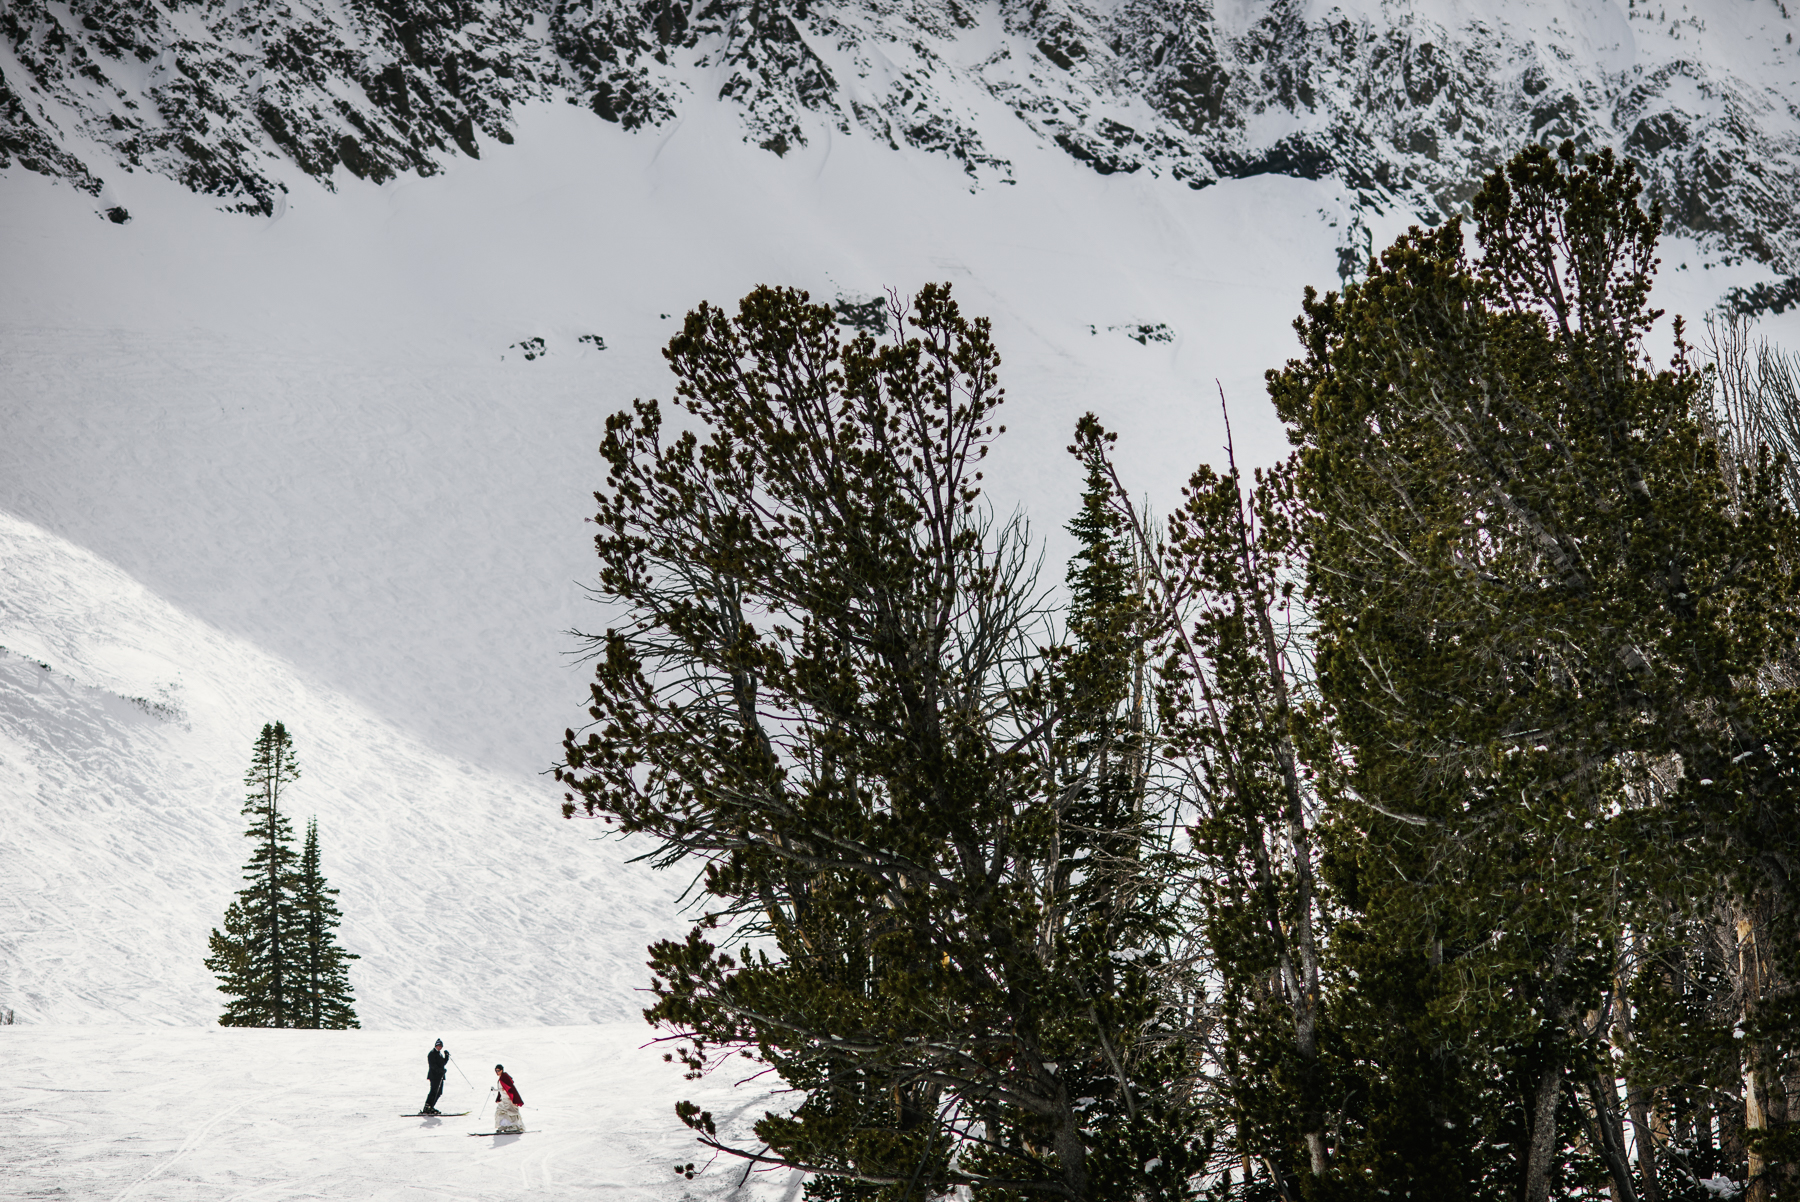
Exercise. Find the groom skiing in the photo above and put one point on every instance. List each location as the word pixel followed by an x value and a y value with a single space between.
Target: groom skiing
pixel 436 1060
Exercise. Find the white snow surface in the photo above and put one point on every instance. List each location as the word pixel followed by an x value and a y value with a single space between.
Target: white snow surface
pixel 312 432
pixel 125 726
pixel 139 1113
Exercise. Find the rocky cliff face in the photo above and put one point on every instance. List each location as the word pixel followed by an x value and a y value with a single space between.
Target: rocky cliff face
pixel 1406 103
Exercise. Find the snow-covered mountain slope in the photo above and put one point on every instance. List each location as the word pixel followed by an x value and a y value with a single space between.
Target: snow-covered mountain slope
pixel 125 728
pixel 315 432
pixel 1399 101
pixel 346 498
pixel 129 1112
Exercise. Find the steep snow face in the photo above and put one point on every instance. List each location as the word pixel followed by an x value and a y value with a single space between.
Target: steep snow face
pixel 1408 102
pixel 322 433
pixel 125 727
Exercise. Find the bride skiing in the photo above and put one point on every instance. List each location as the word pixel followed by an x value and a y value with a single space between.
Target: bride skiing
pixel 506 1104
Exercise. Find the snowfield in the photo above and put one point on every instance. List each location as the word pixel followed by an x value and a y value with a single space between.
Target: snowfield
pixel 318 432
pixel 128 1112
pixel 125 728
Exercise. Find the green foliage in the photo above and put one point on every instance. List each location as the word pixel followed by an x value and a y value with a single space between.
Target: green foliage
pixel 1104 736
pixel 1405 821
pixel 1543 611
pixel 1237 707
pixel 277 958
pixel 829 684
pixel 238 969
pixel 257 962
pixel 327 1002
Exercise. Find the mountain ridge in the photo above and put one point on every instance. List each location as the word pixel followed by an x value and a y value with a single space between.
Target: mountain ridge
pixel 1408 105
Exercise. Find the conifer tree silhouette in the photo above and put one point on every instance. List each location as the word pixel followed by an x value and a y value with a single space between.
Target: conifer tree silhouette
pixel 258 956
pixel 326 1000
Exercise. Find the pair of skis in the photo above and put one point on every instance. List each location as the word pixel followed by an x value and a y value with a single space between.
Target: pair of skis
pixel 456 1115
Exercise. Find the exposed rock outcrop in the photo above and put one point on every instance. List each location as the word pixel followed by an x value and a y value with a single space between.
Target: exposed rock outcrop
pixel 1392 99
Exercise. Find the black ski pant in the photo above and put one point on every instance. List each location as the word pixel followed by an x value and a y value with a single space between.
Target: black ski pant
pixel 437 1091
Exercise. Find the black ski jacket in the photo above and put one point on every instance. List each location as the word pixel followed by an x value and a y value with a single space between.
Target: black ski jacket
pixel 434 1064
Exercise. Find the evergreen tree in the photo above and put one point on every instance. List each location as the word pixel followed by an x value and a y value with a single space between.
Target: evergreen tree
pixel 1107 616
pixel 1551 633
pixel 259 957
pixel 1467 869
pixel 826 683
pixel 1234 690
pixel 1104 735
pixel 231 961
pixel 1508 832
pixel 326 999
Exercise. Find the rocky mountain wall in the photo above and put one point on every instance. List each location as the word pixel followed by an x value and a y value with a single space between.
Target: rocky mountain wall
pixel 1407 103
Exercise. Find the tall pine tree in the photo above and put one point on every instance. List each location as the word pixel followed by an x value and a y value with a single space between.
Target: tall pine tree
pixel 1102 742
pixel 1551 629
pixel 255 956
pixel 277 958
pixel 825 684
pixel 326 1000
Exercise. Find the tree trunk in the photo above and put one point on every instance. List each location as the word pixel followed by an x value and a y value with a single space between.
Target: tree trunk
pixel 1731 1131
pixel 1645 1136
pixel 1692 1131
pixel 1610 1133
pixel 1636 1103
pixel 1543 1134
pixel 1759 1182
pixel 1071 1152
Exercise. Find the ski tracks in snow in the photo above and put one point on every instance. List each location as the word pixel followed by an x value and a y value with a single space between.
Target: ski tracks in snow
pixel 193 1141
pixel 189 1114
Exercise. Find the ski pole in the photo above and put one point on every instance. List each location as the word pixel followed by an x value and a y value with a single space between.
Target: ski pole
pixel 463 1075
